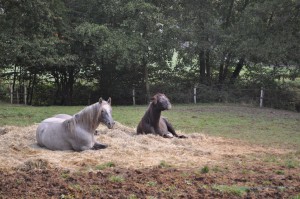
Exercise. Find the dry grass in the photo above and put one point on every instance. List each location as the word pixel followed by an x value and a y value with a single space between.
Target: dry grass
pixel 18 150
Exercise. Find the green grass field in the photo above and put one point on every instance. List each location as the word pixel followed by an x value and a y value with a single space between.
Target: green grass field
pixel 254 125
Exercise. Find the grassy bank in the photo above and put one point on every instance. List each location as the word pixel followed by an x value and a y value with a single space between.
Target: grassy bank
pixel 261 126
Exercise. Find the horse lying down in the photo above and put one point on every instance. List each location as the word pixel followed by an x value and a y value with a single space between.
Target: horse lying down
pixel 65 132
pixel 153 123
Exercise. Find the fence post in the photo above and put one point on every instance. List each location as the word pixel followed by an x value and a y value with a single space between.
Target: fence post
pixel 195 95
pixel 18 100
pixel 133 96
pixel 11 93
pixel 261 101
pixel 25 94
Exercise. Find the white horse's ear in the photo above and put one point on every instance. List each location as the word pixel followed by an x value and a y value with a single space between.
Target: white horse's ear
pixel 100 100
pixel 109 100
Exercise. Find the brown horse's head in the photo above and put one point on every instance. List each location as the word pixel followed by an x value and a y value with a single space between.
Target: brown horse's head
pixel 161 102
pixel 106 116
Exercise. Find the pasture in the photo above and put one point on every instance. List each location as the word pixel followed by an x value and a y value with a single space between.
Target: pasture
pixel 251 124
pixel 232 151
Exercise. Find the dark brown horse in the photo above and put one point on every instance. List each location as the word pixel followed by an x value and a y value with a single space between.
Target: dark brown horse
pixel 153 123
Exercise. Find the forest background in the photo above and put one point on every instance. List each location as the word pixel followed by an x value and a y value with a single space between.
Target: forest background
pixel 72 52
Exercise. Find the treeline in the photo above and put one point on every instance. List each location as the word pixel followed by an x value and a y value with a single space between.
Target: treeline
pixel 68 51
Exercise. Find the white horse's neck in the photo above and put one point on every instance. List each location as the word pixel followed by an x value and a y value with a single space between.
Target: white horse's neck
pixel 88 118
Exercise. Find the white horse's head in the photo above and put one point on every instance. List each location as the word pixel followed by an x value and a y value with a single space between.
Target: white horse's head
pixel 105 113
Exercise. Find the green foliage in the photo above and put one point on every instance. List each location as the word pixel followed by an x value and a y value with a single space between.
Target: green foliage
pixel 110 47
pixel 105 165
pixel 291 164
pixel 235 190
pixel 69 196
pixel 279 172
pixel 116 179
pixel 164 164
pixel 296 197
pixel 132 196
pixel 75 187
pixel 65 175
pixel 205 169
pixel 152 183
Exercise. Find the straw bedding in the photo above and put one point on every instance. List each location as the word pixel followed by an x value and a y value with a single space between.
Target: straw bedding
pixel 19 150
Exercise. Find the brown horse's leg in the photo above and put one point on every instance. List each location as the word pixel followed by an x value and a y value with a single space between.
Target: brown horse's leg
pixel 172 130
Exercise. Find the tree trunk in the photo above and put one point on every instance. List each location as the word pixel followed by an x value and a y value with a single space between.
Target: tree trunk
pixel 69 86
pixel 245 4
pixel 146 76
pixel 237 70
pixel 227 63
pixel 224 65
pixel 63 92
pixel 202 66
pixel 58 87
pixel 14 79
pixel 31 86
pixel 229 13
pixel 208 67
pixel 221 69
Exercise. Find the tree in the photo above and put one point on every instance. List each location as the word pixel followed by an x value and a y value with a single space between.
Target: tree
pixel 199 35
pixel 28 37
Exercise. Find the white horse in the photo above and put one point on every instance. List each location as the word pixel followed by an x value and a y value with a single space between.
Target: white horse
pixel 66 132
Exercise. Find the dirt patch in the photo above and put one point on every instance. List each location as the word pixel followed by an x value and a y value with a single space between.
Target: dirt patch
pixel 259 182
pixel 126 150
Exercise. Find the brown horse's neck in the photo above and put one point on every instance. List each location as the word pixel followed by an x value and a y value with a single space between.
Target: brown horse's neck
pixel 154 115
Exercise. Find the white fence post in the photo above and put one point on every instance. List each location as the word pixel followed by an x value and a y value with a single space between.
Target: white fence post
pixel 11 93
pixel 195 95
pixel 133 96
pixel 25 94
pixel 261 101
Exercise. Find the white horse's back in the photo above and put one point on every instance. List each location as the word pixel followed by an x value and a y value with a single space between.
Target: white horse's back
pixel 51 134
pixel 53 120
pixel 63 116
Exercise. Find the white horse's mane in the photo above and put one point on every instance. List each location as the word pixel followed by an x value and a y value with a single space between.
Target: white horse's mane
pixel 88 118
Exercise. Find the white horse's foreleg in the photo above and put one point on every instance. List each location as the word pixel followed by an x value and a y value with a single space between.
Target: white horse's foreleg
pixel 98 146
pixel 81 148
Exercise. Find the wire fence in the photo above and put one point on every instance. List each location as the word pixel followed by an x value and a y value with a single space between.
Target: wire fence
pixel 261 97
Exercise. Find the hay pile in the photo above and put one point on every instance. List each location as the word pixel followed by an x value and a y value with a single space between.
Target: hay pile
pixel 19 150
